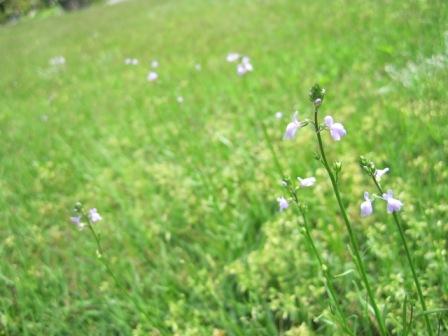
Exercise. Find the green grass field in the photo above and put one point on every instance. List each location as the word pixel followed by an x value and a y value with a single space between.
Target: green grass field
pixel 188 190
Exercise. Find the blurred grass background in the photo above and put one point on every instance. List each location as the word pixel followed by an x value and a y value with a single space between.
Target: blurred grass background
pixel 187 191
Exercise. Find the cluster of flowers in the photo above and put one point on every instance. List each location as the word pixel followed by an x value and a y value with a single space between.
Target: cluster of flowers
pixel 81 220
pixel 152 75
pixel 307 182
pixel 337 132
pixel 244 66
pixel 393 204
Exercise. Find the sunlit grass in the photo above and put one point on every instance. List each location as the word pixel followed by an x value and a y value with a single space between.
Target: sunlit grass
pixel 188 190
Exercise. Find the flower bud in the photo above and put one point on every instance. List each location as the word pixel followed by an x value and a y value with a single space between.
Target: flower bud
pixel 77 207
pixel 317 94
pixel 337 166
pixel 367 165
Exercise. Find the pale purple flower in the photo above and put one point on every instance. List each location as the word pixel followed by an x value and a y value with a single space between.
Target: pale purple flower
pixel 76 220
pixel 306 182
pixel 291 128
pixel 380 172
pixel 232 57
pixel 278 115
pixel 240 69
pixel 282 203
pixel 154 64
pixel 366 206
pixel 152 76
pixel 337 130
pixel 94 216
pixel 393 205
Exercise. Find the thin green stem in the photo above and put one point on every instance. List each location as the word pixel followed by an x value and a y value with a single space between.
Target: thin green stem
pixel 326 272
pixel 354 243
pixel 103 260
pixel 324 269
pixel 410 261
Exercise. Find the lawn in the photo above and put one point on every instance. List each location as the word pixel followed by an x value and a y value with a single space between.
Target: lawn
pixel 187 189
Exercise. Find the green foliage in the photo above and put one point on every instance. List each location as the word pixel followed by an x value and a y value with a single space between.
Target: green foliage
pixel 187 191
pixel 14 9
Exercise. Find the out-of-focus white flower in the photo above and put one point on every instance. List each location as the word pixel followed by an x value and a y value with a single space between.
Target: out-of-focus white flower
pixel 232 57
pixel 131 61
pixel 282 203
pixel 393 205
pixel 278 115
pixel 76 220
pixel 366 206
pixel 380 172
pixel 57 60
pixel 245 60
pixel 180 99
pixel 337 130
pixel 154 64
pixel 152 76
pixel 94 216
pixel 291 128
pixel 244 67
pixel 197 67
pixel 306 182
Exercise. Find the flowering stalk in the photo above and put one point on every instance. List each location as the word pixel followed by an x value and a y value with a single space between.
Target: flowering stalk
pixel 316 96
pixel 84 219
pixel 369 167
pixel 326 272
pixel 328 283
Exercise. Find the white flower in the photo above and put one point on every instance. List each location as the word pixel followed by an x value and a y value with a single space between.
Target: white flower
pixel 245 60
pixel 244 67
pixel 232 57
pixel 337 130
pixel 306 182
pixel 76 220
pixel 291 128
pixel 278 115
pixel 131 61
pixel 366 206
pixel 152 76
pixel 393 205
pixel 180 99
pixel 197 67
pixel 154 64
pixel 94 216
pixel 380 172
pixel 57 60
pixel 282 203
